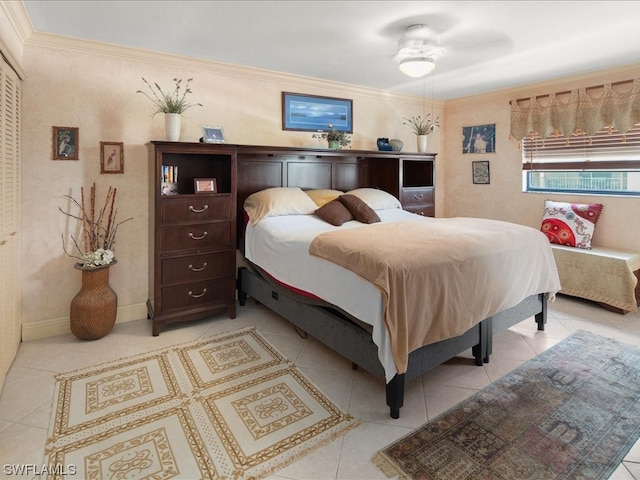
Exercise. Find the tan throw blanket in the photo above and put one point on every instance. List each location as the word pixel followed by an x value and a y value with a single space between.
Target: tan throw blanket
pixel 599 274
pixel 441 277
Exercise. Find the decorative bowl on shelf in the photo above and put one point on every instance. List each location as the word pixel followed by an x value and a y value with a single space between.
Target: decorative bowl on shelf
pixel 396 144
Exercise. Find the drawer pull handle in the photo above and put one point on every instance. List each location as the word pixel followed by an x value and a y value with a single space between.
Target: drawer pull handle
pixel 204 265
pixel 195 210
pixel 418 196
pixel 197 295
pixel 198 238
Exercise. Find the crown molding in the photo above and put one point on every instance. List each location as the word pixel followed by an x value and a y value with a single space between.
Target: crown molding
pixel 20 23
pixel 19 18
pixel 583 80
pixel 48 40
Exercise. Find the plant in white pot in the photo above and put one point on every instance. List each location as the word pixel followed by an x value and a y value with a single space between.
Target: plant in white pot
pixel 172 104
pixel 422 126
pixel 93 309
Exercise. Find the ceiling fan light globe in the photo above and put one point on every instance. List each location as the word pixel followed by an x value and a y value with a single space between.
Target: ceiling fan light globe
pixel 417 67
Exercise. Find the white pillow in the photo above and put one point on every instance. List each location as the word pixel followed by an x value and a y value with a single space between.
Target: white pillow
pixel 277 201
pixel 376 199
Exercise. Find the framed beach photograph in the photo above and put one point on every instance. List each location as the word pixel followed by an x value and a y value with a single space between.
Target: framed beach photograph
pixel 65 143
pixel 111 157
pixel 205 185
pixel 480 171
pixel 212 134
pixel 311 113
pixel 479 139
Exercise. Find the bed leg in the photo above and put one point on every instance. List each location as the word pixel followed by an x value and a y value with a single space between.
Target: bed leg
pixel 541 318
pixel 242 295
pixel 395 395
pixel 481 350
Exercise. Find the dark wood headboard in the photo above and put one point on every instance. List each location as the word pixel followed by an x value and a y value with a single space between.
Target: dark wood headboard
pixel 265 167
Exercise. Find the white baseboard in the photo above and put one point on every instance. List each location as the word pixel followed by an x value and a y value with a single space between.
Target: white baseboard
pixel 60 325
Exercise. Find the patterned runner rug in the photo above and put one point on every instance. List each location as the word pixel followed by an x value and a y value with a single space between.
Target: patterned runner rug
pixel 571 412
pixel 225 407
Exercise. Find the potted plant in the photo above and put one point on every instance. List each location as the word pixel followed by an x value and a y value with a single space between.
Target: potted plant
pixel 336 139
pixel 93 309
pixel 172 104
pixel 422 126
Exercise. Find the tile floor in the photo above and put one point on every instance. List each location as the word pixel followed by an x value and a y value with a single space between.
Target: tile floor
pixel 26 400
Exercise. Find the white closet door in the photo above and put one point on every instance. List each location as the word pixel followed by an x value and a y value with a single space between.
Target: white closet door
pixel 10 323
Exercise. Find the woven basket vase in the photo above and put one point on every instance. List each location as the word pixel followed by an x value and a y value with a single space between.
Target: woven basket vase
pixel 93 309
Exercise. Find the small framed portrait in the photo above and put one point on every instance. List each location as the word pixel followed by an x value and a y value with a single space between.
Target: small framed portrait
pixel 205 185
pixel 480 170
pixel 65 143
pixel 212 134
pixel 111 157
pixel 479 139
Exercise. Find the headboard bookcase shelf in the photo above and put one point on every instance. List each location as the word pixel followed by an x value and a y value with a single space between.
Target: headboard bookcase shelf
pixel 261 167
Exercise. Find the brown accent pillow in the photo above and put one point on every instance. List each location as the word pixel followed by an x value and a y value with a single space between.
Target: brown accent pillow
pixel 360 210
pixel 334 212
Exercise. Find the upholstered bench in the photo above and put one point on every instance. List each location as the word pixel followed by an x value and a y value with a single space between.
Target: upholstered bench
pixel 609 277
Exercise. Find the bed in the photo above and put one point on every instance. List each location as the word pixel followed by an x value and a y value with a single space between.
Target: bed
pixel 291 252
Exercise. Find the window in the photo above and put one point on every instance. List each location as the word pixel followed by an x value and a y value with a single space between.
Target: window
pixel 605 163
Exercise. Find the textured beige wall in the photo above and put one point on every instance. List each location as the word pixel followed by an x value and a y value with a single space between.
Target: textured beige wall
pixel 93 87
pixel 503 198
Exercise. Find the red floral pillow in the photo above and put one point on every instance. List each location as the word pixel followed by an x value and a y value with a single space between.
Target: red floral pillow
pixel 571 224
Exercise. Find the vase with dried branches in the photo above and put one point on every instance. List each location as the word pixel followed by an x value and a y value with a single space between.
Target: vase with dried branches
pixel 93 309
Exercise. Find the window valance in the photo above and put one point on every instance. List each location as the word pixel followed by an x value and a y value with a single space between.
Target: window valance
pixel 586 110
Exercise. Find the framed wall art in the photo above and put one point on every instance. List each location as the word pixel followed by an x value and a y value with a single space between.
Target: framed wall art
pixel 205 185
pixel 111 157
pixel 312 113
pixel 480 172
pixel 65 143
pixel 479 139
pixel 212 134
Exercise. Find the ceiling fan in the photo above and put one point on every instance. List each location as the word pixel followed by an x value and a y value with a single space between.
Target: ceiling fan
pixel 418 50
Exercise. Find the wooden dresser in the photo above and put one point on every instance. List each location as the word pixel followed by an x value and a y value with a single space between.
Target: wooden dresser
pixel 192 235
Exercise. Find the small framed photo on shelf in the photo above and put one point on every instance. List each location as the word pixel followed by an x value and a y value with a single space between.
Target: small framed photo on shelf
pixel 205 185
pixel 212 134
pixel 480 170
pixel 111 157
pixel 65 143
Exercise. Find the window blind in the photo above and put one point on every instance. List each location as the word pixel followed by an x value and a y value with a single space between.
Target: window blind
pixel 608 149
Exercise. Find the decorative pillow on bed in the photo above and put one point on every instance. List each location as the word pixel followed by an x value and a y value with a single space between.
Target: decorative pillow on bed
pixel 571 224
pixel 334 212
pixel 323 196
pixel 376 199
pixel 359 209
pixel 277 201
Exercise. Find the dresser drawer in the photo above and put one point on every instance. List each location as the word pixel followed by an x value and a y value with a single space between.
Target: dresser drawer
pixel 417 196
pixel 198 236
pixel 195 208
pixel 197 267
pixel 424 210
pixel 195 294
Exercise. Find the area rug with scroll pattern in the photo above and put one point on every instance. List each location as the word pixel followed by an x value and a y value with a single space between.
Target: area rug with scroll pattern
pixel 225 407
pixel 572 412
